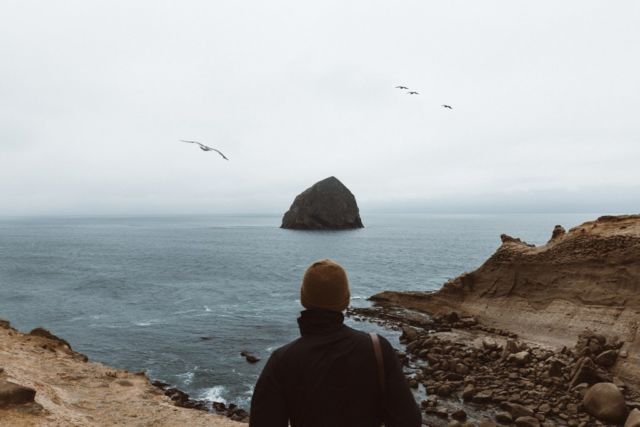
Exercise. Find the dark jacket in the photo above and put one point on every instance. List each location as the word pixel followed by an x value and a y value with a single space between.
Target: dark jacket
pixel 329 378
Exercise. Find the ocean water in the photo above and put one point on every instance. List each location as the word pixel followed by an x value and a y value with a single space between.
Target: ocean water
pixel 181 297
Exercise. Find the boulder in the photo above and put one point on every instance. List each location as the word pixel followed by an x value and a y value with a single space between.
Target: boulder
pixel 633 420
pixel 439 411
pixel 219 406
pixel 408 334
pixel 161 385
pixel 15 394
pixel 605 402
pixel 521 358
pixel 516 410
pixel 250 357
pixel 489 343
pixel 544 409
pixel 459 415
pixel 556 366
pixel 484 396
pixel 527 422
pixel 468 392
pixel 504 417
pixel 586 371
pixel 607 358
pixel 444 390
pixel 326 205
pixel 451 317
pixel 461 369
pixel 509 347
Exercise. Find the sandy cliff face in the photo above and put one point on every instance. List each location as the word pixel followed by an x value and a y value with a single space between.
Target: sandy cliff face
pixel 587 278
pixel 73 392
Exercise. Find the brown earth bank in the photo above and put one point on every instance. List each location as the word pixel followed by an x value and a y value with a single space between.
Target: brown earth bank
pixel 576 299
pixel 43 382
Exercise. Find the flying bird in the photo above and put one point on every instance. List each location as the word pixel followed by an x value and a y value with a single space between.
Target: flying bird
pixel 205 147
pixel 413 92
pixel 447 106
pixel 401 87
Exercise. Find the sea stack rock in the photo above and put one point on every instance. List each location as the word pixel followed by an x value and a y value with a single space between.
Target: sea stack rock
pixel 326 205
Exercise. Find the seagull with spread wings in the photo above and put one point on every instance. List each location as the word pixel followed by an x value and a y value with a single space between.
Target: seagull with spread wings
pixel 413 92
pixel 401 87
pixel 447 106
pixel 205 147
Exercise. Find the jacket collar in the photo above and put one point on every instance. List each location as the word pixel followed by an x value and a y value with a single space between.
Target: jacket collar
pixel 313 322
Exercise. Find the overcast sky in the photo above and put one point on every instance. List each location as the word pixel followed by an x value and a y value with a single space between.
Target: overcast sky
pixel 94 96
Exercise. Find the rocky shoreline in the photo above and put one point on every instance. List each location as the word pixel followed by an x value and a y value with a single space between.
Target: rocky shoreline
pixel 478 375
pixel 183 400
pixel 537 336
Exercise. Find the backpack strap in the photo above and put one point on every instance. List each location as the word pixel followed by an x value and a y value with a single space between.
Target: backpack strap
pixel 377 350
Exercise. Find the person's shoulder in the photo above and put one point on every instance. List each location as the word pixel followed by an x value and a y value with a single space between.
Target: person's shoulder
pixel 367 336
pixel 280 352
pixel 363 333
pixel 356 332
pixel 384 342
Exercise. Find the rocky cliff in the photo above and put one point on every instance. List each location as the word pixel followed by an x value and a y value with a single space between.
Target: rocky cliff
pixel 326 205
pixel 43 382
pixel 585 279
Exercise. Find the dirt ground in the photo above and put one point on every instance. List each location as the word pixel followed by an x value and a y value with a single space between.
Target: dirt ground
pixel 72 392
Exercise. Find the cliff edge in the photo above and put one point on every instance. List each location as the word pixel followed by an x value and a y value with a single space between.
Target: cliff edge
pixel 45 383
pixel 585 279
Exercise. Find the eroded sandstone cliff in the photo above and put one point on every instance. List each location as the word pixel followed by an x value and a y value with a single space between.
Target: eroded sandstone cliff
pixel 43 382
pixel 586 278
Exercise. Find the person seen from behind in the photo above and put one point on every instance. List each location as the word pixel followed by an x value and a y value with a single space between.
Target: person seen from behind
pixel 333 375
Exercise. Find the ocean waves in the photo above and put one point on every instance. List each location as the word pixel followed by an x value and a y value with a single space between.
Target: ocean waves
pixel 141 293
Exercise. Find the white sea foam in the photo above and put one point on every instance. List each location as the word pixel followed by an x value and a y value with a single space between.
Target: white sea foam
pixel 147 322
pixel 244 400
pixel 187 377
pixel 250 389
pixel 214 394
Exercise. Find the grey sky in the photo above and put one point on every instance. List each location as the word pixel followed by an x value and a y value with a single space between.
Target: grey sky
pixel 94 96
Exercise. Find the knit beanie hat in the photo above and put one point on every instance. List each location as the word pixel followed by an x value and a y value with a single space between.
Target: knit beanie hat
pixel 325 286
